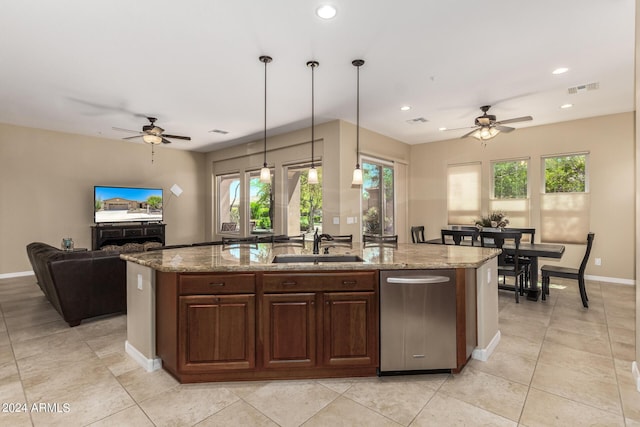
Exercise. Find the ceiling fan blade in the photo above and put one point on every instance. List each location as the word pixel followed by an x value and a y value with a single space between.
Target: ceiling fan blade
pixel 186 138
pixel 517 119
pixel 466 127
pixel 126 130
pixel 165 141
pixel 132 137
pixel 468 134
pixel 505 129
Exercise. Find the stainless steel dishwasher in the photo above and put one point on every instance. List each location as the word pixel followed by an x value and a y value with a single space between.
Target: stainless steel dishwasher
pixel 417 321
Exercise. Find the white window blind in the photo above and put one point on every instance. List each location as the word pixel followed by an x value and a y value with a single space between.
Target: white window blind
pixel 463 193
pixel 564 217
pixel 565 204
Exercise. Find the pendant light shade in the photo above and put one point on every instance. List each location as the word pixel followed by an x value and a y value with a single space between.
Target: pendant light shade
pixel 313 173
pixel 357 172
pixel 265 172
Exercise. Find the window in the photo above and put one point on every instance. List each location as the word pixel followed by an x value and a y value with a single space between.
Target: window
pixel 377 197
pixel 463 193
pixel 304 200
pixel 510 192
pixel 565 203
pixel 228 202
pixel 260 204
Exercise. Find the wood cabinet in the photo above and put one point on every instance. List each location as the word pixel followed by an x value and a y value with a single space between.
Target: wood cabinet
pixel 321 320
pixel 119 234
pixel 207 323
pixel 216 332
pixel 263 325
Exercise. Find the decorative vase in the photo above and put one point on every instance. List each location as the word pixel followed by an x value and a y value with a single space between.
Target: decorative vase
pixel 67 244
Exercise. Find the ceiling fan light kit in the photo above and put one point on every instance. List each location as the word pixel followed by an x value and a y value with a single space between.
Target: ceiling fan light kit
pixel 486 127
pixel 152 139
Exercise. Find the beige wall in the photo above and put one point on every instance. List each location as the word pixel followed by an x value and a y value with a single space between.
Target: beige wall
pixel 335 148
pixel 608 139
pixel 47 179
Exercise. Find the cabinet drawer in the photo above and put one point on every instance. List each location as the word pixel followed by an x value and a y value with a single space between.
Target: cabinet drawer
pixel 319 281
pixel 153 231
pixel 110 233
pixel 199 284
pixel 132 232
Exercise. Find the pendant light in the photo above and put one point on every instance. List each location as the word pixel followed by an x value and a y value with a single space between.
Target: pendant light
pixel 313 172
pixel 265 172
pixel 357 172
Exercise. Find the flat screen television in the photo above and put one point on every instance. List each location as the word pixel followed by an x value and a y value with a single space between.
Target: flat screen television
pixel 126 204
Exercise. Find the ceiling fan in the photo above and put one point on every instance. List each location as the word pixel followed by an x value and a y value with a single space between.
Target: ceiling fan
pixel 152 134
pixel 486 126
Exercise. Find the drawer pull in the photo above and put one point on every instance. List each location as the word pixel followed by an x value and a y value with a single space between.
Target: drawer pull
pixel 289 283
pixel 349 282
pixel 216 284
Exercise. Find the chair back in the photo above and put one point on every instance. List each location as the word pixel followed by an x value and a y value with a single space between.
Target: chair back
pixel 459 235
pixel 380 239
pixel 496 239
pixel 583 264
pixel 239 240
pixel 417 234
pixel 528 234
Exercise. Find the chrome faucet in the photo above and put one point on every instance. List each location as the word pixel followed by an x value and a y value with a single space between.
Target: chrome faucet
pixel 317 238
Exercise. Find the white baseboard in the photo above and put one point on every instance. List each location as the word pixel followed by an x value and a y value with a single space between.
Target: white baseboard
pixel 483 354
pixel 149 365
pixel 16 274
pixel 615 280
pixel 636 374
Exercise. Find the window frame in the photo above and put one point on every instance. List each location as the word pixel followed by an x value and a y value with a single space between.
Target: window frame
pixel 383 163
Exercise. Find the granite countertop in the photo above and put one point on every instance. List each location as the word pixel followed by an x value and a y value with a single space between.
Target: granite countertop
pixel 259 257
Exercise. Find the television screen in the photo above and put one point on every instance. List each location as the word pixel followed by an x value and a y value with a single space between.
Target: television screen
pixel 127 204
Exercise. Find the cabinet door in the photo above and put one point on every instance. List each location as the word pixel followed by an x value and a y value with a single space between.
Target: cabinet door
pixel 216 332
pixel 350 329
pixel 289 330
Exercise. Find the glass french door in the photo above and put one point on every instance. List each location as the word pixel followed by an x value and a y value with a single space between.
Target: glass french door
pixel 377 197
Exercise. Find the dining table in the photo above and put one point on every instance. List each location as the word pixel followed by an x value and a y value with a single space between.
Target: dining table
pixel 526 249
pixel 533 251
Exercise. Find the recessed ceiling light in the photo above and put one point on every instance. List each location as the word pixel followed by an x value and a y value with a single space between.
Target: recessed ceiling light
pixel 442 128
pixel 560 70
pixel 563 106
pixel 326 11
pixel 405 108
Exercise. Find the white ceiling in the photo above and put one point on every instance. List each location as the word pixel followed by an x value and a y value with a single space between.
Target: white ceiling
pixel 86 66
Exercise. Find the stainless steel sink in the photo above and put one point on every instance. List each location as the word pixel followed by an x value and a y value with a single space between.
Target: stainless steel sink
pixel 316 258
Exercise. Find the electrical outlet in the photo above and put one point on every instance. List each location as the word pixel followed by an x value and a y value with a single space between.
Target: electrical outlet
pixel 598 261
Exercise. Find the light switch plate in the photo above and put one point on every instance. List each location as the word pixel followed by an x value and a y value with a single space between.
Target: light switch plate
pixel 349 220
pixel 140 281
pixel 336 220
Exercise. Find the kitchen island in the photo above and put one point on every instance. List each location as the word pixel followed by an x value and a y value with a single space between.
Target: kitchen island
pixel 216 313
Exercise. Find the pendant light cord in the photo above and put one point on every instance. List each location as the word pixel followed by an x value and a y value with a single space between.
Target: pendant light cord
pixel 358 63
pixel 358 119
pixel 265 110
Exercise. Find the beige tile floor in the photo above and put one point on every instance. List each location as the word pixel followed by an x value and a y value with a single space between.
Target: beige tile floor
pixel 557 364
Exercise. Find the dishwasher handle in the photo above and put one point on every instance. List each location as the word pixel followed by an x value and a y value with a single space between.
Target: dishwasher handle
pixel 418 280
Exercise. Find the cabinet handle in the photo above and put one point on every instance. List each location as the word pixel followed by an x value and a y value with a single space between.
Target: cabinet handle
pixel 216 284
pixel 290 282
pixel 349 282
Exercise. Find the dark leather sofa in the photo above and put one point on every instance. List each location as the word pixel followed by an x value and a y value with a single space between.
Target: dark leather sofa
pixel 81 284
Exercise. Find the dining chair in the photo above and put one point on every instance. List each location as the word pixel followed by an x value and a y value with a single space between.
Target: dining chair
pixel 417 234
pixel 342 238
pixel 528 235
pixel 382 240
pixel 239 240
pixel 284 240
pixel 458 236
pixel 506 267
pixel 569 273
